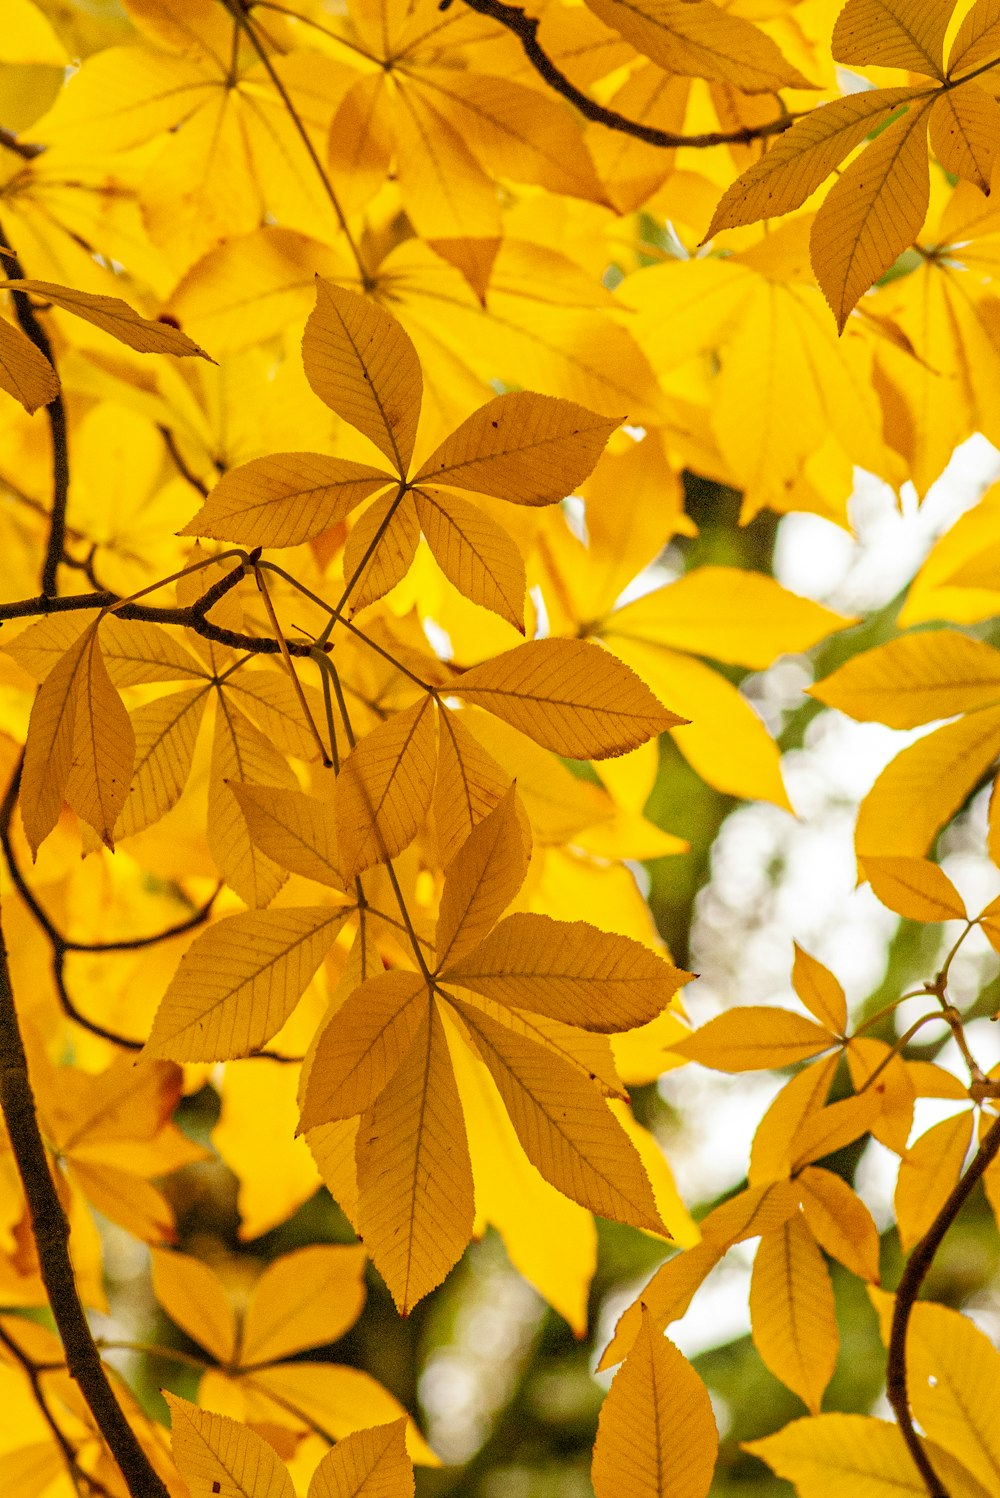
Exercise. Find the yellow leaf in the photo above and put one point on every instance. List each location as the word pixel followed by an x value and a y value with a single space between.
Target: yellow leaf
pixel 363 1046
pixel 220 1456
pixel 665 1298
pixel 255 1137
pixel 954 1382
pixel 679 1222
pixel 770 1153
pixel 976 38
pixel 894 33
pixel 656 1437
pixel 526 448
pixel 469 784
pixel 927 1175
pixel 25 373
pixel 474 553
pixel 195 1298
pixel 360 362
pixel 729 613
pixel 298 831
pixel 569 971
pixel 819 991
pixel 481 880
pixel 337 1400
pixel 240 752
pixel 366 1464
pixel 384 788
pixel 873 212
pixel 29 38
pixel 792 1312
pixel 840 1221
pixel 124 96
pixel 932 674
pixel 415 1192
pixel 893 1087
pixel 307 1297
pixel 284 499
pixel 103 746
pixel 753 1036
pixel 360 143
pixel 800 160
pixel 48 752
pixel 136 651
pixel 700 40
pixel 569 696
pixel 965 132
pixel 833 1454
pixel 447 194
pixel 564 1125
pixel 832 1127
pixel 165 735
pixel 756 1212
pixel 380 548
pixel 239 981
pixel 915 888
pixel 115 317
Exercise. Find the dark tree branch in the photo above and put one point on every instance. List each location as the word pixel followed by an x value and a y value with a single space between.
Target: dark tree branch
pixel 914 1275
pixel 525 28
pixel 56 412
pixel 50 1229
pixel 170 441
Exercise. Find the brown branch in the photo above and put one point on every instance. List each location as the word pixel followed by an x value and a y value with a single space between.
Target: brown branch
pixel 170 442
pixel 913 1277
pixel 525 28
pixel 56 413
pixel 50 1229
pixel 20 148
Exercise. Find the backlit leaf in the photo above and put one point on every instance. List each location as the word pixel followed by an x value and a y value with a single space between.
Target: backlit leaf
pixel 25 373
pixel 363 1046
pixel 898 33
pixel 284 499
pixel 839 1221
pixel 474 553
pixel 115 317
pixel 914 887
pixel 481 880
pixel 384 788
pixel 307 1297
pixel 819 991
pixel 928 1173
pixel 915 679
pixel 103 746
pixel 298 831
pixel 194 1297
pixel 792 1312
pixel 220 1456
pixel 370 1463
pixel 754 1036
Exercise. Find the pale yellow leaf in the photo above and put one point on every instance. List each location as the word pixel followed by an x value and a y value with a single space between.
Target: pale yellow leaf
pixel 363 1045
pixel 965 134
pixel 569 696
pixel 380 548
pixel 700 40
pixel 792 1312
pixel 284 499
pixel 753 1036
pixel 474 553
pixel 840 1221
pixel 298 831
pixel 656 1436
pixel 136 651
pixel 526 448
pixel 220 1456
pixel 306 1298
pixel 415 1191
pixel 165 735
pixel 928 1173
pixel 873 212
pixel 915 888
pixel 384 788
pixel 370 1463
pixel 893 33
pixel 360 144
pixel 194 1297
pixel 448 196
pixel 48 750
pixel 25 373
pixel 481 880
pixel 569 971
pixel 239 981
pixel 115 317
pixel 913 680
pixel 819 991
pixel 360 362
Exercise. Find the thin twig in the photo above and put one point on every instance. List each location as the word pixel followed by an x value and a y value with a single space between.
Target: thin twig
pixel 170 442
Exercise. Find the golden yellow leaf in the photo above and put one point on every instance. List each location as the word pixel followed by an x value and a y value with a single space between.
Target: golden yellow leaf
pixel 893 1086
pixel 284 499
pixel 25 373
pixel 656 1436
pixel 115 317
pixel 840 1222
pixel 819 991
pixel 569 696
pixel 965 132
pixel 770 1153
pixel 801 159
pixel 255 1137
pixel 304 1299
pixel 447 193
pixel 526 448
pixel 48 751
pixel 384 788
pixel 569 971
pixel 700 40
pixel 754 1036
pixel 832 1127
pixel 380 548
pixel 165 735
pixel 481 880
pixel 913 680
pixel 361 363
pixel 298 831
pixel 415 1192
pixel 239 981
pixel 337 1400
pixel 896 33
pixel 928 1173
pixel 474 553
pixel 873 212
pixel 103 746
pixel 665 1298
pixel 241 753
pixel 220 1456
pixel 363 1045
pixel 469 784
pixel 359 149
pixel 564 1125
pixel 915 888
pixel 366 1464
pixel 758 1211
pixel 194 1297
pixel 136 651
pixel 954 1381
pixel 792 1312
pixel 975 39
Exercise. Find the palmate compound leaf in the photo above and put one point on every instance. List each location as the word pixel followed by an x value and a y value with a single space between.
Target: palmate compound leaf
pixel 221 1457
pixel 656 1437
pixel 570 696
pixel 284 499
pixel 370 1463
pixel 361 363
pixel 239 981
pixel 297 831
pixel 363 1046
pixel 481 880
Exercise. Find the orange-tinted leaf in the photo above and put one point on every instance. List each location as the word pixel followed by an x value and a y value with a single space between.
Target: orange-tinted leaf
pixel 284 499
pixel 915 888
pixel 792 1311
pixel 481 880
pixel 115 317
pixel 363 1046
pixel 384 788
pixel 894 33
pixel 754 1036
pixel 25 373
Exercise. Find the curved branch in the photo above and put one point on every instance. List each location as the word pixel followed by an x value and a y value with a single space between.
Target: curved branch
pixel 525 28
pixel 914 1275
